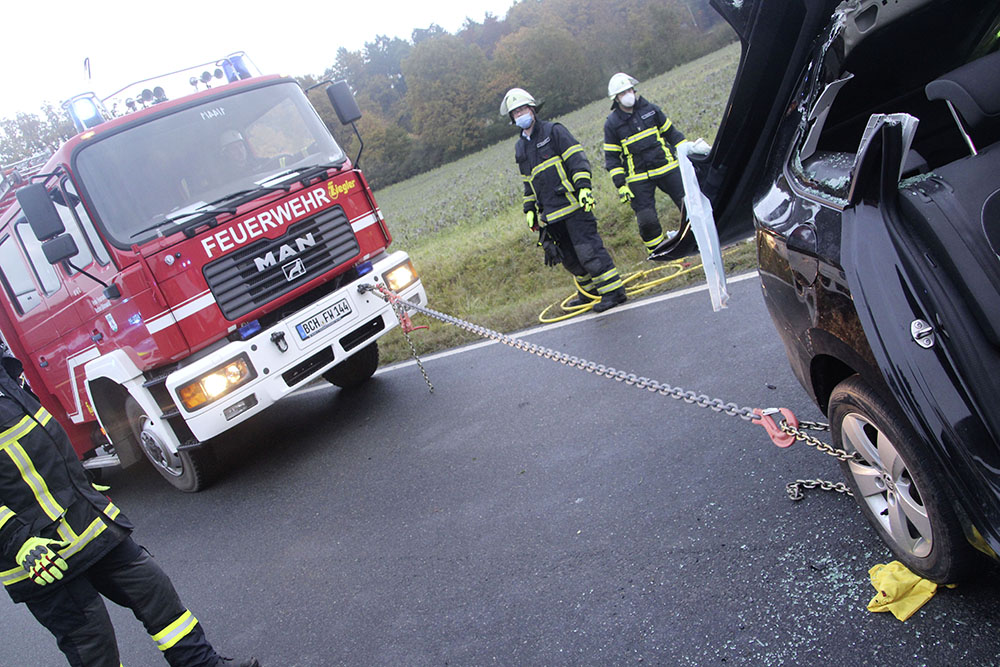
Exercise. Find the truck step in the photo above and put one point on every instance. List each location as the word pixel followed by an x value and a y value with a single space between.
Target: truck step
pixel 103 461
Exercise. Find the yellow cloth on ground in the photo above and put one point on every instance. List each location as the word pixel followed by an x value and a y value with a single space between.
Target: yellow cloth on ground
pixel 899 590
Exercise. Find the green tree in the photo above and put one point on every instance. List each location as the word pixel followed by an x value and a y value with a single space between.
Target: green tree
pixel 485 35
pixel 28 134
pixel 547 61
pixel 446 93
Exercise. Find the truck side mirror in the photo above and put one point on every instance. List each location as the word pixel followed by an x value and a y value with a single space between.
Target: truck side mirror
pixel 343 102
pixel 40 211
pixel 59 249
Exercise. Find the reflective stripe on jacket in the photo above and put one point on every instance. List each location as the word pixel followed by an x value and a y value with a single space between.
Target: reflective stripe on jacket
pixel 553 168
pixel 639 145
pixel 44 492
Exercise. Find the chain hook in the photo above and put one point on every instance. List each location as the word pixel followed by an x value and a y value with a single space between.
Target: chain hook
pixel 765 418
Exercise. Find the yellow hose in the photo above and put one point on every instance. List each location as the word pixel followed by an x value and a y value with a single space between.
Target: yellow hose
pixel 630 290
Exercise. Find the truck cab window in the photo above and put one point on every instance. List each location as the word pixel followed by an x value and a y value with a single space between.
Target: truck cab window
pixel 147 181
pixel 44 272
pixel 16 278
pixel 82 220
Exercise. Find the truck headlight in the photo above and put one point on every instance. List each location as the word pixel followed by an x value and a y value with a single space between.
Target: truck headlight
pixel 400 276
pixel 217 383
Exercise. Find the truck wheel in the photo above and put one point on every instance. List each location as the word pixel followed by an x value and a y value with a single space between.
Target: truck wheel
pixel 354 370
pixel 897 483
pixel 188 470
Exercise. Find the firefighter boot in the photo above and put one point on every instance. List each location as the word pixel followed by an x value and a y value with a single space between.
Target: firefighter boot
pixel 610 300
pixel 585 287
pixel 579 300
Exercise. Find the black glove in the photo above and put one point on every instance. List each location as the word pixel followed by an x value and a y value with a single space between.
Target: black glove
pixel 553 257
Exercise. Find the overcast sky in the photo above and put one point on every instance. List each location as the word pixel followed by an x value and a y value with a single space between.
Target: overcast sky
pixel 45 42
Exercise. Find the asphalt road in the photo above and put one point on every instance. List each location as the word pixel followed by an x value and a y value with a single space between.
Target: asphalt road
pixel 527 513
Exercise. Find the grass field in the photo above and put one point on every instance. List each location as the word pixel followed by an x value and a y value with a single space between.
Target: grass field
pixel 462 222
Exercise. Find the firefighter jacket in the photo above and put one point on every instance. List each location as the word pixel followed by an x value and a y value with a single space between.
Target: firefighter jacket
pixel 554 168
pixel 640 145
pixel 44 491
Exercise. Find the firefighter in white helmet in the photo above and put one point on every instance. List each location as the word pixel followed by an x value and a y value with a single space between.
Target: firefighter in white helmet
pixel 640 154
pixel 558 202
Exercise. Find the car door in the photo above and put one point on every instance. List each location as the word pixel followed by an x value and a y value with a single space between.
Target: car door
pixel 938 355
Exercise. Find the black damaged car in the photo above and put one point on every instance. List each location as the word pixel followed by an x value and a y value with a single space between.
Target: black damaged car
pixel 861 140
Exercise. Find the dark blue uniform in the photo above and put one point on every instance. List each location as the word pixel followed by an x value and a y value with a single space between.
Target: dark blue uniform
pixel 554 169
pixel 639 150
pixel 44 492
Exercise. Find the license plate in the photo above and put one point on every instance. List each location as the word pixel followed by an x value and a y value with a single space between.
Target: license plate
pixel 322 320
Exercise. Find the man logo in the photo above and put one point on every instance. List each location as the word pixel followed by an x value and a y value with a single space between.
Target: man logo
pixel 285 251
pixel 294 269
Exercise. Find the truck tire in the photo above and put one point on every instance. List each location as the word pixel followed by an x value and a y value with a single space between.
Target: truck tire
pixel 189 471
pixel 354 370
pixel 898 484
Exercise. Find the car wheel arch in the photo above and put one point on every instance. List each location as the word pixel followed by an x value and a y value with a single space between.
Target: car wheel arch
pixel 833 360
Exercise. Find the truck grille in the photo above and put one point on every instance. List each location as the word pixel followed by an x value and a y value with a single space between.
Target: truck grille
pixel 240 284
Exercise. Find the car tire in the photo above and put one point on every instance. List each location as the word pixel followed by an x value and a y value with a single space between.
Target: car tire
pixel 188 470
pixel 354 370
pixel 898 484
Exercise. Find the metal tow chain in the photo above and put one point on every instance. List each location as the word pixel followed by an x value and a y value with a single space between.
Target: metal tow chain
pixel 701 400
pixel 406 326
pixel 794 489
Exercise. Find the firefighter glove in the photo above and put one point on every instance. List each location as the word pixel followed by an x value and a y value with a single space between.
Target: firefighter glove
pixel 532 218
pixel 586 199
pixel 625 194
pixel 38 556
pixel 553 256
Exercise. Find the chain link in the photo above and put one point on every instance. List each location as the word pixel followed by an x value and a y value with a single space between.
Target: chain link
pixel 794 489
pixel 800 436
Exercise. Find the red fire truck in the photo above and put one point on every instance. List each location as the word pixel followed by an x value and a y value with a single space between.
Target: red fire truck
pixel 186 261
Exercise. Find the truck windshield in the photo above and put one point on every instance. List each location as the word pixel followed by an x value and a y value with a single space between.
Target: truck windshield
pixel 148 176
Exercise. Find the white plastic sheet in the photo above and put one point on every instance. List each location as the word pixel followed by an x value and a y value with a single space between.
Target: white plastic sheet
pixel 699 211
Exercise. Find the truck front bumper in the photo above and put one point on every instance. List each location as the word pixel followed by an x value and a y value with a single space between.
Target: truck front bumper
pixel 290 353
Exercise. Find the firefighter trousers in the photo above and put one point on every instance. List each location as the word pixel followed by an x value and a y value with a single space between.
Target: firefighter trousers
pixel 75 613
pixel 644 204
pixel 583 251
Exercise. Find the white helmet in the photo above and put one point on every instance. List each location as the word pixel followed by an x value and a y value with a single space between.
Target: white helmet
pixel 620 82
pixel 516 97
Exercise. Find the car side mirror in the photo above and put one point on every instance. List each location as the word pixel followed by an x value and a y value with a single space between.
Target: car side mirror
pixel 59 249
pixel 40 211
pixel 343 102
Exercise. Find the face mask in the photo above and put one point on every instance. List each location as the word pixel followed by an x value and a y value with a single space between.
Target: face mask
pixel 524 121
pixel 627 100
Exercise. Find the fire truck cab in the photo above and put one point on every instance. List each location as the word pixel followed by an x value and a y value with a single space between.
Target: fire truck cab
pixel 186 261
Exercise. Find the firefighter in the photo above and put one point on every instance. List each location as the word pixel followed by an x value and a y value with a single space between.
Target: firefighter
pixel 63 545
pixel 235 152
pixel 640 145
pixel 558 202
